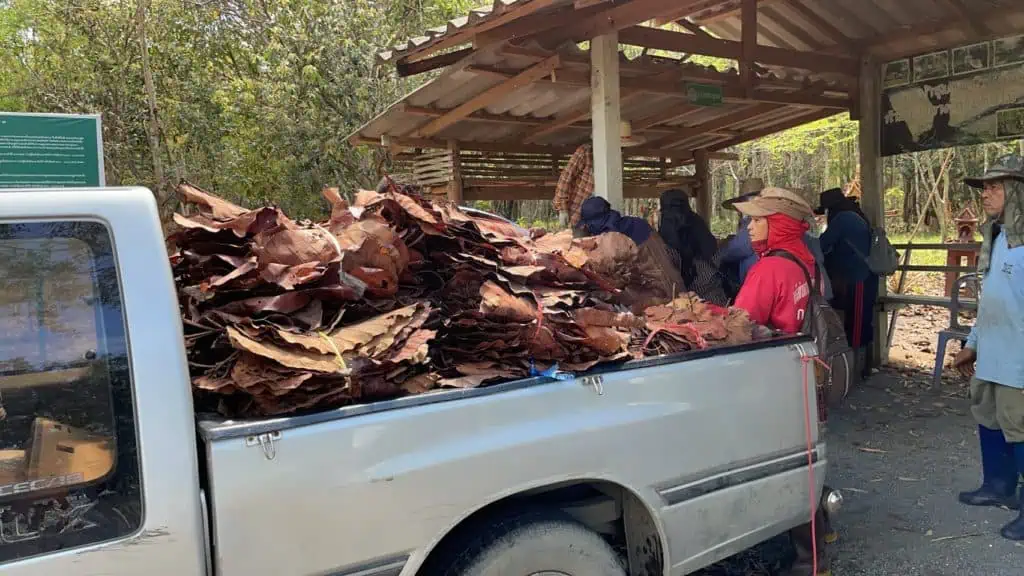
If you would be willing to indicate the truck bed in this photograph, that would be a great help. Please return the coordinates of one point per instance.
(370, 489)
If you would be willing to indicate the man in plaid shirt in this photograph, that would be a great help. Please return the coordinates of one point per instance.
(575, 185)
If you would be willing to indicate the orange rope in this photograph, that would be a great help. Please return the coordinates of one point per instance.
(807, 361)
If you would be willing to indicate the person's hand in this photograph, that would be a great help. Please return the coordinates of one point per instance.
(964, 362)
(563, 218)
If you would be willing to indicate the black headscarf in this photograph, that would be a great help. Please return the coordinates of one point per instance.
(833, 202)
(597, 217)
(685, 232)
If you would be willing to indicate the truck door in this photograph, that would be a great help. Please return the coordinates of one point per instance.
(73, 493)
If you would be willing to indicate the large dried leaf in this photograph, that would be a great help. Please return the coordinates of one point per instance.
(217, 207)
(290, 357)
(497, 303)
(368, 338)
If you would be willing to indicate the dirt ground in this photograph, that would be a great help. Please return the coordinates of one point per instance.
(900, 449)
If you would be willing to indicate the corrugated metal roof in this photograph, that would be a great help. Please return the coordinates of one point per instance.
(892, 28)
(659, 116)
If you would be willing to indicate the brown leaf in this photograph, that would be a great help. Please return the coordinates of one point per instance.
(218, 207)
(293, 247)
(369, 338)
(498, 303)
(416, 349)
(292, 358)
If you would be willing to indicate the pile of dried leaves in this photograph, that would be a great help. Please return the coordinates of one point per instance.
(395, 295)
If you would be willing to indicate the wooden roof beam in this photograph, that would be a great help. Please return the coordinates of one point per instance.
(491, 95)
(821, 24)
(719, 123)
(792, 122)
(957, 7)
(465, 35)
(877, 44)
(615, 17)
(731, 90)
(432, 62)
(748, 44)
(677, 42)
(511, 147)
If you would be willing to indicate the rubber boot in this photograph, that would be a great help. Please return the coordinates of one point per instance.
(802, 542)
(999, 467)
(1015, 530)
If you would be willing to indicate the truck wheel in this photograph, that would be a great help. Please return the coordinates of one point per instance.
(535, 544)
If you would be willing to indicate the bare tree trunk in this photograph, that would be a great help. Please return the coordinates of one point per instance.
(152, 124)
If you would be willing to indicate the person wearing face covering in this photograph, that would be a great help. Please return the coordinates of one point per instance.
(661, 280)
(775, 292)
(688, 235)
(992, 356)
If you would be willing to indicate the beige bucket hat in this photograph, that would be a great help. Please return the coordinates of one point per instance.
(776, 201)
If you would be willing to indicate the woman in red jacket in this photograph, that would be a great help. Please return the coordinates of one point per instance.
(775, 291)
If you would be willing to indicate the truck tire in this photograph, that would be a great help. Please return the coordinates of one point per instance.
(535, 544)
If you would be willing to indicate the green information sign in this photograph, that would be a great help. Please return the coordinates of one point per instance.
(50, 150)
(704, 94)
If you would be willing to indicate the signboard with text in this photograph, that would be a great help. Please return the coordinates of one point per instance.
(971, 94)
(50, 150)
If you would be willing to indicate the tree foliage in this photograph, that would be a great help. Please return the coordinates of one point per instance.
(253, 97)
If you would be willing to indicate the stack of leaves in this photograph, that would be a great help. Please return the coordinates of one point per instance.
(394, 295)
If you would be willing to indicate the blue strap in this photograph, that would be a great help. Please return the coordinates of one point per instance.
(553, 372)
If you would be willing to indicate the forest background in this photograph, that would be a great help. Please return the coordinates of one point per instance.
(253, 99)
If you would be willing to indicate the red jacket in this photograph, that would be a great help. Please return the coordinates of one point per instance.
(775, 292)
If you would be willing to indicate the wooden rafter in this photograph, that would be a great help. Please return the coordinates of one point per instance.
(535, 24)
(721, 122)
(731, 91)
(432, 62)
(748, 44)
(465, 35)
(957, 7)
(792, 122)
(877, 44)
(675, 41)
(792, 28)
(488, 97)
(615, 17)
(820, 23)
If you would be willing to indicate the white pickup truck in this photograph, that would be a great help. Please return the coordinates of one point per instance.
(661, 466)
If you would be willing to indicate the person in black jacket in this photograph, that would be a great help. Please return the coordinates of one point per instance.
(689, 237)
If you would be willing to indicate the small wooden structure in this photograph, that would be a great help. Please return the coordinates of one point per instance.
(467, 175)
(515, 80)
(966, 249)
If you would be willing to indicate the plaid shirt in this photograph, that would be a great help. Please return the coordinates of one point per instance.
(575, 184)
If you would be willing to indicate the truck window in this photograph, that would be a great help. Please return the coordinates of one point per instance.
(69, 468)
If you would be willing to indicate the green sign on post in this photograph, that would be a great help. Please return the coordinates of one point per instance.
(704, 94)
(50, 150)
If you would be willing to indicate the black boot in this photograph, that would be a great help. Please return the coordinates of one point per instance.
(1015, 530)
(999, 484)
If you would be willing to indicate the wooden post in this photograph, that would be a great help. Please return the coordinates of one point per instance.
(872, 197)
(748, 32)
(605, 114)
(703, 188)
(455, 186)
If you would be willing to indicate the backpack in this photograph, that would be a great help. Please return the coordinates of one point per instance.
(882, 259)
(824, 325)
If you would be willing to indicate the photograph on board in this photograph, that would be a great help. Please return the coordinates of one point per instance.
(1006, 51)
(1010, 123)
(931, 66)
(897, 73)
(967, 59)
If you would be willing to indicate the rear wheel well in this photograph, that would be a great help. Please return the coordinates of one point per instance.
(610, 510)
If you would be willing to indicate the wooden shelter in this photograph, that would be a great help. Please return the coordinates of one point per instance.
(517, 92)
